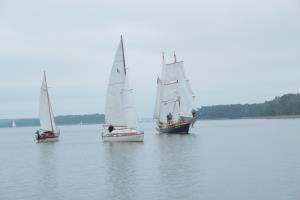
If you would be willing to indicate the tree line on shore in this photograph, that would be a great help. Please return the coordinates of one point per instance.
(59, 120)
(288, 104)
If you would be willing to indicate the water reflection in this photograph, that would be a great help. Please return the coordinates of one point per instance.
(49, 182)
(122, 161)
(179, 164)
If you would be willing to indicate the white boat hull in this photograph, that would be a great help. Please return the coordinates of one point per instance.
(123, 138)
(122, 134)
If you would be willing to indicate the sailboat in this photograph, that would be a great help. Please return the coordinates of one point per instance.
(13, 124)
(48, 131)
(121, 121)
(174, 107)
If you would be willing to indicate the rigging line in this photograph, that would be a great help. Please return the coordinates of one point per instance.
(49, 106)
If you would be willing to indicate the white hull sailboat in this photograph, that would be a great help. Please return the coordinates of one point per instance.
(13, 124)
(124, 134)
(174, 108)
(121, 121)
(48, 131)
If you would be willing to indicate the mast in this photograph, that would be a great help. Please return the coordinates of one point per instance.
(123, 54)
(175, 60)
(49, 108)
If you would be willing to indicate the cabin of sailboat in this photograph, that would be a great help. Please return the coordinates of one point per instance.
(121, 121)
(48, 131)
(174, 107)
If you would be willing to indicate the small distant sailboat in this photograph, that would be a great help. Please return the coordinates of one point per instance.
(121, 121)
(13, 124)
(48, 131)
(174, 108)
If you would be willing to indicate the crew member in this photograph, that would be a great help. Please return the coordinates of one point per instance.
(111, 128)
(37, 134)
(169, 117)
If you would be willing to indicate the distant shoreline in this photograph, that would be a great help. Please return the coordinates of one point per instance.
(258, 117)
(212, 119)
(283, 107)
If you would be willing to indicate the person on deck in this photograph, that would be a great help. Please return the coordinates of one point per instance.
(169, 118)
(111, 128)
(37, 134)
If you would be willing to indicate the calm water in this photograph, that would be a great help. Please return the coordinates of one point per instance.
(228, 159)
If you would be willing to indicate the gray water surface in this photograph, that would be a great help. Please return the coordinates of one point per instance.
(226, 159)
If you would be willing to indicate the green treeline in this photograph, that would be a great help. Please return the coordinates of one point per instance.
(288, 104)
(60, 120)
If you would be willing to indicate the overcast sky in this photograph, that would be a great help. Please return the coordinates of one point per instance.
(235, 51)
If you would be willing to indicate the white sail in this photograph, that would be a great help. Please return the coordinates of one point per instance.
(119, 109)
(176, 95)
(158, 99)
(45, 110)
(129, 110)
(13, 124)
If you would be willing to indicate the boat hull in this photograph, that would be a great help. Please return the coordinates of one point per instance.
(45, 140)
(123, 138)
(176, 129)
(46, 136)
(125, 135)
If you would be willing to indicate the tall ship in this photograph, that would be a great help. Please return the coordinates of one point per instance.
(174, 109)
(48, 131)
(121, 121)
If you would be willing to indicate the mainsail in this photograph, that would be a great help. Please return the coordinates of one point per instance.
(119, 109)
(174, 93)
(45, 110)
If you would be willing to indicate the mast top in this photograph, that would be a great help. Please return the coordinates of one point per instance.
(175, 60)
(163, 57)
(123, 54)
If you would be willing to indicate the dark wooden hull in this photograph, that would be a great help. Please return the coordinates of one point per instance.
(175, 129)
(47, 136)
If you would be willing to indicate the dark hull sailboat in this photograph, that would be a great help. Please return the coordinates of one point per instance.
(174, 109)
(177, 128)
(48, 131)
(46, 136)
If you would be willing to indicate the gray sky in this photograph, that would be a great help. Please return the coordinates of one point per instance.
(235, 51)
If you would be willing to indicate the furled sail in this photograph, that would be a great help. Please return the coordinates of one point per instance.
(174, 93)
(119, 109)
(45, 110)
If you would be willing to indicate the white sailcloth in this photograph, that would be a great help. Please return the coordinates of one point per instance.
(45, 110)
(129, 110)
(158, 99)
(119, 109)
(175, 93)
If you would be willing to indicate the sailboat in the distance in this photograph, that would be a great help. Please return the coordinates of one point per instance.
(174, 108)
(13, 124)
(121, 121)
(48, 131)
